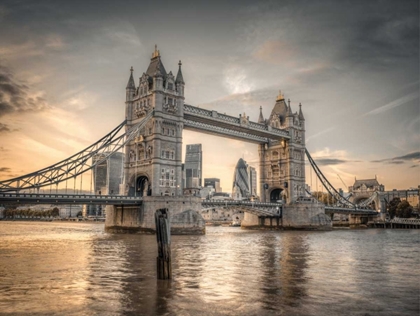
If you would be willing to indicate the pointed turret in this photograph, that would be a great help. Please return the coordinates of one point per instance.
(156, 65)
(179, 78)
(131, 85)
(289, 110)
(301, 113)
(261, 117)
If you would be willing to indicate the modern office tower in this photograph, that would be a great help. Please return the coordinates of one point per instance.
(193, 166)
(252, 179)
(107, 175)
(244, 181)
(214, 183)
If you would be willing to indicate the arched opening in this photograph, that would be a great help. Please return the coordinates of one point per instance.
(141, 187)
(275, 195)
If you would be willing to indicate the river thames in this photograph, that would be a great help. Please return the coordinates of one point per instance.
(64, 268)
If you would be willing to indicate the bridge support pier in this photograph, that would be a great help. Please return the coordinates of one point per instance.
(182, 214)
(306, 215)
(360, 220)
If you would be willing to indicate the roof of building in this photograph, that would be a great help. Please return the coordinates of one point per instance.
(301, 117)
(131, 84)
(156, 65)
(370, 183)
(261, 117)
(179, 77)
(280, 108)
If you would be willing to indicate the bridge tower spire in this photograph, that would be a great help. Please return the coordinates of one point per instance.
(153, 159)
(261, 117)
(282, 164)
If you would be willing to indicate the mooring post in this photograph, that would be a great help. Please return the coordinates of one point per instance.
(163, 236)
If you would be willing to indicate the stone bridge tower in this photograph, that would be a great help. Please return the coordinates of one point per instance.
(282, 163)
(153, 160)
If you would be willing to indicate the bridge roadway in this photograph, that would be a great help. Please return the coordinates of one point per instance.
(34, 198)
(257, 208)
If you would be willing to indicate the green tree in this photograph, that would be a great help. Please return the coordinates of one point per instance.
(404, 209)
(392, 206)
(55, 212)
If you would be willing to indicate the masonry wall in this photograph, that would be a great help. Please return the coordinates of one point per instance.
(184, 217)
(306, 215)
(302, 215)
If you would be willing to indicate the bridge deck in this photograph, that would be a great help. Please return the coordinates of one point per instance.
(215, 123)
(25, 198)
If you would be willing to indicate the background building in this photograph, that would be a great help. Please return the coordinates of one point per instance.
(252, 180)
(107, 175)
(244, 181)
(214, 183)
(193, 166)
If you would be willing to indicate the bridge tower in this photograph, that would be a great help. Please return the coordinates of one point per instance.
(282, 163)
(153, 159)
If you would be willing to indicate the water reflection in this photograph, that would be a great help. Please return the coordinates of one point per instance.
(77, 269)
(283, 280)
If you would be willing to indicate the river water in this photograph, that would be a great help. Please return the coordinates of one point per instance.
(63, 268)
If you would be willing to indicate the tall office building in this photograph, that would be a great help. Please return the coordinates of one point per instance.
(214, 183)
(108, 173)
(193, 166)
(244, 181)
(252, 179)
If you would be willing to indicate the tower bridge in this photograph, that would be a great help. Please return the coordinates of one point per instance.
(151, 139)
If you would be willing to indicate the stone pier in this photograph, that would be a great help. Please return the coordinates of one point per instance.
(362, 220)
(183, 213)
(307, 215)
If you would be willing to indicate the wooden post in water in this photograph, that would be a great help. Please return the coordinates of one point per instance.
(163, 236)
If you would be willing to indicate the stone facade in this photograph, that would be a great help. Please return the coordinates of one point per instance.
(282, 163)
(305, 214)
(153, 165)
(183, 216)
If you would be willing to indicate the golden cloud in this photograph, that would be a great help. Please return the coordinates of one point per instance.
(275, 52)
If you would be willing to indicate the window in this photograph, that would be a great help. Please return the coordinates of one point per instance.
(170, 101)
(172, 156)
(150, 131)
(167, 154)
(172, 132)
(163, 155)
(170, 86)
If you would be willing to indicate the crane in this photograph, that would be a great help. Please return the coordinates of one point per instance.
(342, 181)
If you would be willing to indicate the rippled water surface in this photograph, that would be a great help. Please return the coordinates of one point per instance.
(77, 269)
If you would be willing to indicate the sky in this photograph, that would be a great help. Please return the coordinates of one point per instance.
(354, 66)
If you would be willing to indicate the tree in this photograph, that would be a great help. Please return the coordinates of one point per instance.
(404, 209)
(55, 212)
(392, 206)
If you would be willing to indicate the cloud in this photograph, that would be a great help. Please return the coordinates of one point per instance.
(4, 128)
(414, 156)
(403, 100)
(275, 52)
(411, 156)
(329, 161)
(54, 41)
(5, 170)
(16, 97)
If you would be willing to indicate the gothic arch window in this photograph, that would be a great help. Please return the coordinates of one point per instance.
(140, 153)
